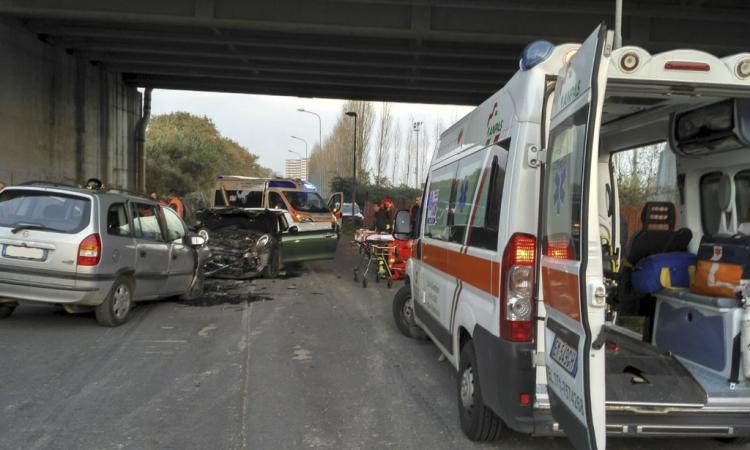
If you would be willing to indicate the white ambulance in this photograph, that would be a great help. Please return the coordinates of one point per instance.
(538, 206)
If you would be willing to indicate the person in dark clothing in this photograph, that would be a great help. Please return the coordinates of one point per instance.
(414, 215)
(382, 221)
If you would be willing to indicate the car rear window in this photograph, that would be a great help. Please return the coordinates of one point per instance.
(46, 211)
(240, 198)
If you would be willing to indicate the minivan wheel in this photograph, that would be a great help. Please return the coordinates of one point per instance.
(6, 309)
(478, 422)
(116, 307)
(196, 288)
(403, 314)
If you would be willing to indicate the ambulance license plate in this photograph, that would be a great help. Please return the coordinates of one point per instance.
(14, 251)
(565, 355)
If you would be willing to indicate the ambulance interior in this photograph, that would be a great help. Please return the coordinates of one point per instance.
(668, 346)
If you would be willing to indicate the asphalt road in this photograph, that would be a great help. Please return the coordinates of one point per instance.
(309, 361)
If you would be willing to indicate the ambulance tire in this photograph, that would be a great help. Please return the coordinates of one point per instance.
(6, 309)
(478, 422)
(403, 314)
(735, 442)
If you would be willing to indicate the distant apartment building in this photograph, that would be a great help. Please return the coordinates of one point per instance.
(295, 168)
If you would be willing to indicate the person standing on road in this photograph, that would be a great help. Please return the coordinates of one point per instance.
(380, 216)
(414, 215)
(388, 207)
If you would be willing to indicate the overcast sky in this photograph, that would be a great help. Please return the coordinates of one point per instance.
(263, 123)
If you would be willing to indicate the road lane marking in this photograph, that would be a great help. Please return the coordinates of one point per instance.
(205, 330)
(246, 320)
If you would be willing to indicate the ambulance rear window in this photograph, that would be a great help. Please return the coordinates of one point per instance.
(710, 213)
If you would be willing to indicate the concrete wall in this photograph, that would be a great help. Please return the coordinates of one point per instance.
(61, 118)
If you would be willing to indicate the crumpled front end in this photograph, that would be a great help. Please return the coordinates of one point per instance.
(237, 253)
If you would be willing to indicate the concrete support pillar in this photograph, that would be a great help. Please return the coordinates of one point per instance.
(79, 101)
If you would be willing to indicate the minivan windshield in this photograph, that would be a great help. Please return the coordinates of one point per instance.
(44, 211)
(306, 201)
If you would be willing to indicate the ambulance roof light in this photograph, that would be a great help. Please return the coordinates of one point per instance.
(535, 53)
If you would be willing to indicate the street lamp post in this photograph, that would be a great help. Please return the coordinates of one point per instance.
(320, 140)
(300, 139)
(415, 127)
(354, 163)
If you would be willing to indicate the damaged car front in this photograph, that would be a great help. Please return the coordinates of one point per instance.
(243, 243)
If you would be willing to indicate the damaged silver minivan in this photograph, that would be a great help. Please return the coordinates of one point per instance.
(99, 250)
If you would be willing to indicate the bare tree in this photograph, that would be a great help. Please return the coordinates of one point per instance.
(385, 130)
(336, 156)
(409, 153)
(395, 152)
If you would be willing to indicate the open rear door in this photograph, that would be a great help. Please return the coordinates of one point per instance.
(571, 262)
(335, 202)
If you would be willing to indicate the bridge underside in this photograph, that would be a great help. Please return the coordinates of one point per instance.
(430, 51)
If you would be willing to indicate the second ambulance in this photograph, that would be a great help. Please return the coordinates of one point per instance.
(571, 295)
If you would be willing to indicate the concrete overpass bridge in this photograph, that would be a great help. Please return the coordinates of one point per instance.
(72, 67)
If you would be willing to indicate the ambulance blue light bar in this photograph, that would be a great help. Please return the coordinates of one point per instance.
(535, 53)
(282, 184)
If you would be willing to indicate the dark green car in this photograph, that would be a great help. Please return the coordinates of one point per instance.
(251, 242)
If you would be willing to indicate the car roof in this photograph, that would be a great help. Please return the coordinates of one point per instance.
(110, 194)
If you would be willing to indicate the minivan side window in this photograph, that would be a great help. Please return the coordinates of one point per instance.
(467, 179)
(440, 203)
(117, 220)
(175, 228)
(486, 224)
(710, 213)
(146, 221)
(742, 188)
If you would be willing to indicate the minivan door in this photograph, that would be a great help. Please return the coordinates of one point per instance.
(152, 251)
(571, 262)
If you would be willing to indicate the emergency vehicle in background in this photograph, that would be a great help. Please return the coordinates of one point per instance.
(312, 224)
(521, 267)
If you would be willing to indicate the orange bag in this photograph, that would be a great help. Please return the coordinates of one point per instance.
(723, 263)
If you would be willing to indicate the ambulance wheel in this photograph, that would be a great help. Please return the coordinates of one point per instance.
(735, 442)
(403, 314)
(6, 309)
(478, 422)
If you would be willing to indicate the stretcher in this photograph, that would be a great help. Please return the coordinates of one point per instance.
(381, 252)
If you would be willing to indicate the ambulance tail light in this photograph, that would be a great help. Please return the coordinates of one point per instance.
(559, 246)
(743, 68)
(688, 66)
(516, 305)
(629, 62)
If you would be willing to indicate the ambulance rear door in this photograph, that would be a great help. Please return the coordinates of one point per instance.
(571, 262)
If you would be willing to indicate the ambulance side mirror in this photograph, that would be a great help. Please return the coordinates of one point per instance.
(402, 226)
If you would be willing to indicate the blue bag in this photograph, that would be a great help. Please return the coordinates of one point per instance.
(663, 270)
